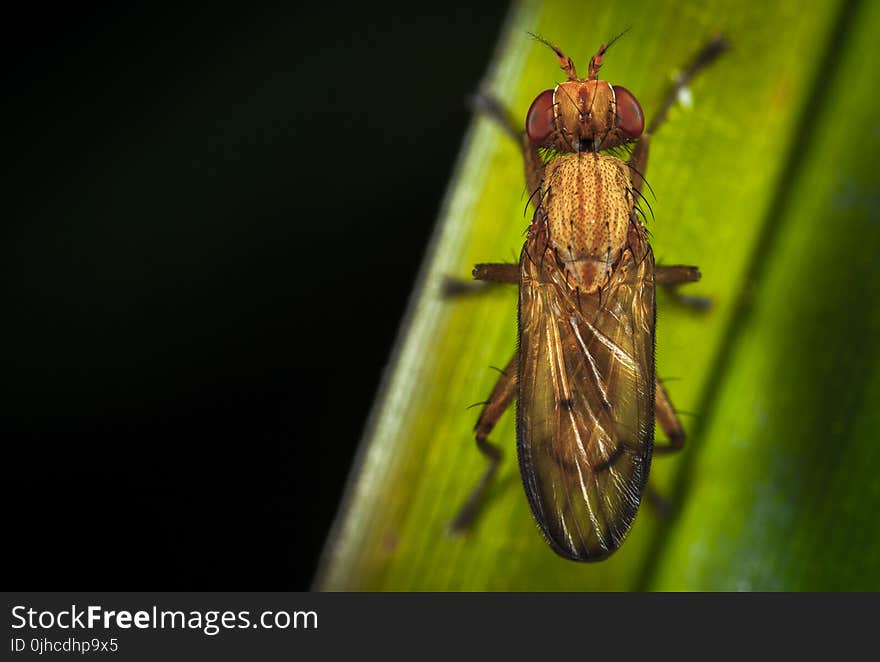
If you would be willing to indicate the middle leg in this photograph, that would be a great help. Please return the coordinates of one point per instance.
(670, 277)
(487, 276)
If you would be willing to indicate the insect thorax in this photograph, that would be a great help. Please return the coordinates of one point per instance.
(585, 211)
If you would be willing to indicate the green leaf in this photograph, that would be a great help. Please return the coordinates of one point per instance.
(783, 492)
(768, 183)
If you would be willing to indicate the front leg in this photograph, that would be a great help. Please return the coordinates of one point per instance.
(534, 165)
(639, 161)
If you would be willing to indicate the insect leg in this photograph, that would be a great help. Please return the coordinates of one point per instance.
(703, 59)
(534, 166)
(453, 287)
(675, 275)
(487, 105)
(639, 160)
(672, 276)
(492, 108)
(498, 272)
(667, 419)
(486, 275)
(659, 503)
(502, 395)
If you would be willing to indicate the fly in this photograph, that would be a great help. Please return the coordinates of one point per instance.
(583, 375)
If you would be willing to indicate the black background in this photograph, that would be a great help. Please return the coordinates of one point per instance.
(213, 223)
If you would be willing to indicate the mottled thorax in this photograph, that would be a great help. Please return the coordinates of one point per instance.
(586, 203)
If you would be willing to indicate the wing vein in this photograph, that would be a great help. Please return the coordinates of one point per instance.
(616, 352)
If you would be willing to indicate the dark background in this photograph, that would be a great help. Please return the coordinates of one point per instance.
(214, 222)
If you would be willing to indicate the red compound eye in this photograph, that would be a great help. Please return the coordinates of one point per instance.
(630, 118)
(540, 122)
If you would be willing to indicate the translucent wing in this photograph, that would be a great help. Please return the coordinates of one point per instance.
(585, 405)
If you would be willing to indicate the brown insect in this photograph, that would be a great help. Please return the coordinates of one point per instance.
(583, 375)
